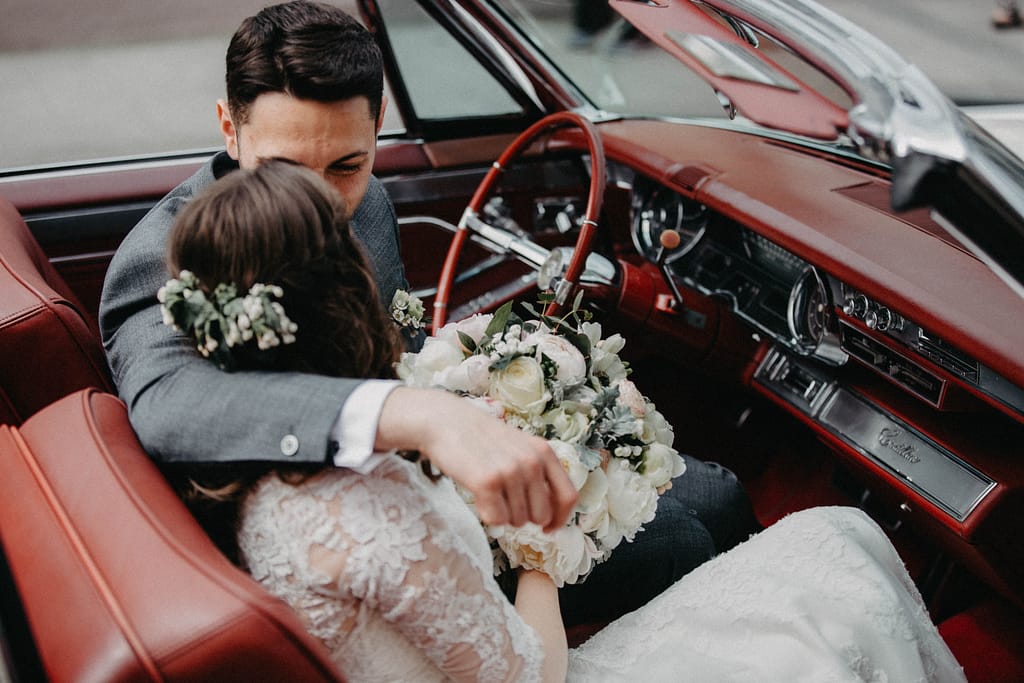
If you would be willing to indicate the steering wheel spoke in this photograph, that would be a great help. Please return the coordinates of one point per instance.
(521, 247)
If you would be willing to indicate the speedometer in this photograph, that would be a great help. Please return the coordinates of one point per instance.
(808, 310)
(657, 209)
(809, 315)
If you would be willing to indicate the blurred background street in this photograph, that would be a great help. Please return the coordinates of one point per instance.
(93, 78)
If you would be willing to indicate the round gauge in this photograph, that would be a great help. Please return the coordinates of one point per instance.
(657, 209)
(808, 311)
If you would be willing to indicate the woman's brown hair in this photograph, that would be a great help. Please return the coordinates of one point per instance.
(280, 224)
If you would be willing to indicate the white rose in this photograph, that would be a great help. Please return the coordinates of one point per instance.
(564, 555)
(473, 327)
(572, 367)
(568, 424)
(662, 464)
(520, 386)
(472, 376)
(632, 502)
(569, 458)
(656, 427)
(436, 357)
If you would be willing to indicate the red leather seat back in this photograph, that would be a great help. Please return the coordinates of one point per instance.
(48, 344)
(117, 580)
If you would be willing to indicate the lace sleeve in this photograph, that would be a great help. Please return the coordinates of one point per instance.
(384, 546)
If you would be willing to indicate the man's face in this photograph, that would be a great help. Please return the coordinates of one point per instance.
(337, 140)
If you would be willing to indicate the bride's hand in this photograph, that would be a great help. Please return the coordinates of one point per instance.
(514, 477)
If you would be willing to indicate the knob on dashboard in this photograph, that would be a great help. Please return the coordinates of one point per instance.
(871, 319)
(856, 305)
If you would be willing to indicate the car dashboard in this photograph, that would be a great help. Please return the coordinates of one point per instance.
(849, 341)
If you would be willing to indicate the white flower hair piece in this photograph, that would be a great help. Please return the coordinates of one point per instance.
(225, 321)
(407, 310)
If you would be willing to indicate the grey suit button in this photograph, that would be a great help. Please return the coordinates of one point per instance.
(290, 445)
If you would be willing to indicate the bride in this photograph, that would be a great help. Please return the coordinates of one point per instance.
(393, 572)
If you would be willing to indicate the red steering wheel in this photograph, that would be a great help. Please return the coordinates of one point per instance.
(588, 230)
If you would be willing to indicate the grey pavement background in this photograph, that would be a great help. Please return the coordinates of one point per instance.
(102, 78)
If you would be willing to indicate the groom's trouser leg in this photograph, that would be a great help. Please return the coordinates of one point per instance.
(705, 512)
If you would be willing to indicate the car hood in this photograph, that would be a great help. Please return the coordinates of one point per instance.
(894, 114)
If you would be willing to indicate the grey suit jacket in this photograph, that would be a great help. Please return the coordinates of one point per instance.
(183, 408)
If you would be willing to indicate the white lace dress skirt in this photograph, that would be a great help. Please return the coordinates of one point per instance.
(820, 596)
(393, 574)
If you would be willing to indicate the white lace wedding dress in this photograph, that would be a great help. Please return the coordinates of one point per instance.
(393, 574)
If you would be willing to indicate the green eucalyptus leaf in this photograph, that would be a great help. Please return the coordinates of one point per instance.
(499, 320)
(467, 342)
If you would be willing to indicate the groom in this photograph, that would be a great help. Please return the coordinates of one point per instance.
(305, 85)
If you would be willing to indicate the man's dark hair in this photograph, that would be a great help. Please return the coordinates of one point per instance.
(308, 50)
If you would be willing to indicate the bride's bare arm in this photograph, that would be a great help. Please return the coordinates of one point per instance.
(537, 604)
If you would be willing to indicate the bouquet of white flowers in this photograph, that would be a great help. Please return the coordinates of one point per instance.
(559, 379)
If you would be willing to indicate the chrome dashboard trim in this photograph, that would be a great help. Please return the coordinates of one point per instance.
(902, 450)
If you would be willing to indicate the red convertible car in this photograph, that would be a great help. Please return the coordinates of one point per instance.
(817, 263)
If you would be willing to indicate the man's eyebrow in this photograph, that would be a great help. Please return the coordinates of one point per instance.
(283, 160)
(339, 160)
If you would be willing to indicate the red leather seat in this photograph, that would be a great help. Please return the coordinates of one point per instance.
(48, 343)
(117, 580)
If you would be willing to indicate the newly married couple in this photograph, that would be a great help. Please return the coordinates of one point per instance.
(381, 559)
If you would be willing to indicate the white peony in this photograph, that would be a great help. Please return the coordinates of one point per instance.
(592, 504)
(426, 368)
(569, 458)
(662, 464)
(472, 376)
(520, 386)
(565, 555)
(632, 502)
(572, 366)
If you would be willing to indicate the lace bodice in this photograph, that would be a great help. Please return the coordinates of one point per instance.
(393, 573)
(389, 570)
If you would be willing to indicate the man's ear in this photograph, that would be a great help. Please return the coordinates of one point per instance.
(380, 116)
(227, 129)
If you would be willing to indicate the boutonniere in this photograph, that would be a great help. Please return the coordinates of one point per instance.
(407, 310)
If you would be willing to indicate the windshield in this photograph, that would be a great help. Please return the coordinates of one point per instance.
(609, 61)
(621, 72)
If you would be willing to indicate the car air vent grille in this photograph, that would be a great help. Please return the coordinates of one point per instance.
(889, 363)
(955, 361)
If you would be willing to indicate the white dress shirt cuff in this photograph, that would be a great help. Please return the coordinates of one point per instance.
(356, 428)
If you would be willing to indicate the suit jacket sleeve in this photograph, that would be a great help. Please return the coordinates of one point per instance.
(183, 408)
